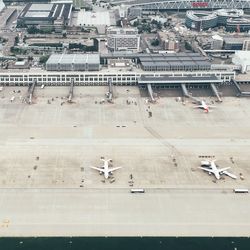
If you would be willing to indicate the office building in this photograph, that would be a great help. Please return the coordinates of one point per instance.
(123, 39)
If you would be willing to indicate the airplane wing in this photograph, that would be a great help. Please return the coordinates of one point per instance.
(113, 169)
(223, 169)
(230, 175)
(99, 169)
(206, 169)
(199, 106)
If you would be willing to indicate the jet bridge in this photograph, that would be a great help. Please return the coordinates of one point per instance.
(110, 92)
(71, 91)
(150, 92)
(31, 91)
(215, 91)
(186, 93)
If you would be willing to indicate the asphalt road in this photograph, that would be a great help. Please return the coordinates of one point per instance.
(44, 212)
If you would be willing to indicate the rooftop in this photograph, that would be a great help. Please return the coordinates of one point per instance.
(73, 58)
(41, 7)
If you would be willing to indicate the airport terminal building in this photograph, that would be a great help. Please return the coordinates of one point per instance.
(93, 70)
(99, 78)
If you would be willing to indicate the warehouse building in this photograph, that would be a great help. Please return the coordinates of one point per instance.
(73, 62)
(174, 62)
(52, 15)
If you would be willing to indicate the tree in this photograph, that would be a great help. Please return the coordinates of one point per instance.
(155, 42)
(33, 30)
(159, 25)
(16, 40)
(43, 59)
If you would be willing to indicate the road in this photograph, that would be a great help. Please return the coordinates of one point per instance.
(44, 212)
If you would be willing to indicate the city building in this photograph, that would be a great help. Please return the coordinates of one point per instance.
(217, 42)
(199, 20)
(242, 58)
(246, 45)
(46, 15)
(134, 12)
(168, 41)
(73, 62)
(233, 43)
(123, 39)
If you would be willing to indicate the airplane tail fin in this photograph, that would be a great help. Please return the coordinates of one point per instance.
(103, 159)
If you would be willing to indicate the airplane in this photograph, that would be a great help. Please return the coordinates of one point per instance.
(104, 169)
(203, 105)
(211, 168)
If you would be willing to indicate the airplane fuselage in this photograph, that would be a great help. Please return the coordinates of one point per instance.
(204, 106)
(106, 168)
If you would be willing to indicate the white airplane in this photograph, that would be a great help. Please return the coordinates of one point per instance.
(104, 169)
(203, 105)
(211, 168)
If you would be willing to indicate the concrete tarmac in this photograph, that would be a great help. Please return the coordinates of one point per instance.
(47, 187)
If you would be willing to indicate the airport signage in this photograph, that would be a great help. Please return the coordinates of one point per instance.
(200, 4)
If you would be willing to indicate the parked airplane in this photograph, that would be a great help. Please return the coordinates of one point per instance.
(211, 168)
(104, 169)
(203, 105)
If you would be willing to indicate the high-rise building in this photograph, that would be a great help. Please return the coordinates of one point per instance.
(168, 41)
(123, 39)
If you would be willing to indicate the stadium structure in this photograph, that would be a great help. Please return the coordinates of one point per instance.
(203, 20)
(200, 20)
(155, 5)
(225, 14)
